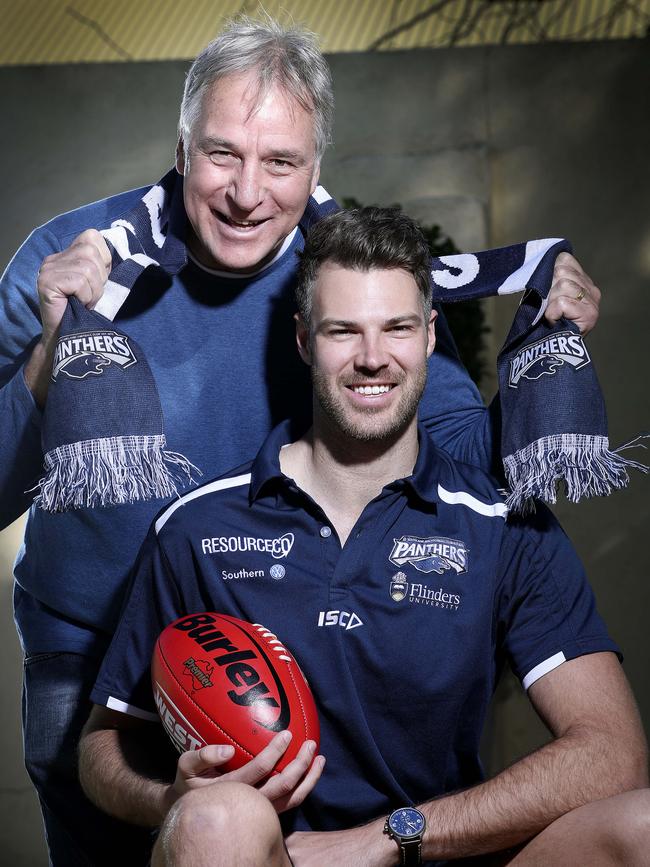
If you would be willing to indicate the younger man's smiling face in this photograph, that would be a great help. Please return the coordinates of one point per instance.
(368, 345)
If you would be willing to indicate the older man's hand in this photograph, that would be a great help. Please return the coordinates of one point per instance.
(573, 294)
(81, 270)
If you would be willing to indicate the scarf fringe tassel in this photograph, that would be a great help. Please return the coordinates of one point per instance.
(112, 471)
(582, 464)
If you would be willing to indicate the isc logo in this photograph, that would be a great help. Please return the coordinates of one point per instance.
(339, 618)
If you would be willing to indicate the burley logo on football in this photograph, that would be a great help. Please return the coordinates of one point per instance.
(87, 354)
(545, 356)
(437, 554)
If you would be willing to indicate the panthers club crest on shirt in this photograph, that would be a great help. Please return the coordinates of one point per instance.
(437, 554)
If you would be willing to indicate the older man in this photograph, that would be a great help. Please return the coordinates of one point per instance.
(254, 123)
(403, 695)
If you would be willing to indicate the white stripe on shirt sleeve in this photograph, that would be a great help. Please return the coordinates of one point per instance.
(462, 498)
(542, 669)
(209, 488)
(123, 707)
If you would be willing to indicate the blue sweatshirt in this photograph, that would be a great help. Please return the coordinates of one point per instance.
(222, 351)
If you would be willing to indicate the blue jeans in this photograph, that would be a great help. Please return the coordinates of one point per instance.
(55, 707)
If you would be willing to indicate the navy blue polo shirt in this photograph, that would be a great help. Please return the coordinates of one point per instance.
(401, 633)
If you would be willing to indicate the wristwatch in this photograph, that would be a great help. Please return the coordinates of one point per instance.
(406, 827)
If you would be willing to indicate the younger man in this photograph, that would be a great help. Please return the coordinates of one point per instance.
(402, 589)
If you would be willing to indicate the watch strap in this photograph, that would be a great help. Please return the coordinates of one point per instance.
(410, 852)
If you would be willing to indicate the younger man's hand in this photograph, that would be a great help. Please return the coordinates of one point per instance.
(285, 790)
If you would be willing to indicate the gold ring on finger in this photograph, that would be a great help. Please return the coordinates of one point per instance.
(581, 294)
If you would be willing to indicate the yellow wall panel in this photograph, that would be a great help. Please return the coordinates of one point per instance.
(82, 31)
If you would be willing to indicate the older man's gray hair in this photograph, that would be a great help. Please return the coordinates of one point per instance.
(288, 57)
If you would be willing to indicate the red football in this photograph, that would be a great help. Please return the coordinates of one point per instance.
(220, 680)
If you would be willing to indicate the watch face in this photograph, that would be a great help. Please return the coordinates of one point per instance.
(407, 822)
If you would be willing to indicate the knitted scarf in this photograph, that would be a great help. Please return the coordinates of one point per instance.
(103, 434)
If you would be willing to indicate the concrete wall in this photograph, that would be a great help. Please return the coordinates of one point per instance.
(496, 145)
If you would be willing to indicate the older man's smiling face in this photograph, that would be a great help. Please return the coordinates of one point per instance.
(249, 171)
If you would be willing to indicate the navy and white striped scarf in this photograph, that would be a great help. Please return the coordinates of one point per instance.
(104, 442)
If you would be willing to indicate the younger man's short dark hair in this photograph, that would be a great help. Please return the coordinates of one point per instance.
(361, 239)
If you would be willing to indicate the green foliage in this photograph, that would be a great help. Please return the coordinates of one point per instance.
(467, 318)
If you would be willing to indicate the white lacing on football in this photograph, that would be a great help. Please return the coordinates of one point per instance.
(271, 638)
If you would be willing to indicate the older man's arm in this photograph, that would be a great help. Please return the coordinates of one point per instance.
(599, 750)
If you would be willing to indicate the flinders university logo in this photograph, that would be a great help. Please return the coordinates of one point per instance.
(87, 354)
(420, 594)
(398, 587)
(545, 356)
(430, 555)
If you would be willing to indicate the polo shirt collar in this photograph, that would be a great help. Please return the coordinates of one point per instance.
(426, 472)
(266, 466)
